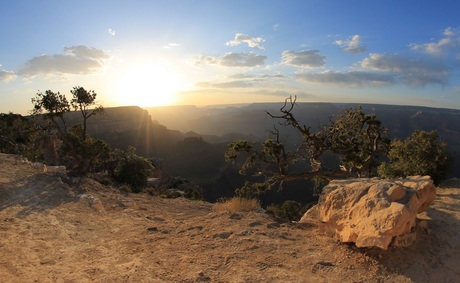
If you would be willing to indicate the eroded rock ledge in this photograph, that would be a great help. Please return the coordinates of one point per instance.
(372, 212)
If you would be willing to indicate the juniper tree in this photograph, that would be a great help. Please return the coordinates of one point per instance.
(356, 138)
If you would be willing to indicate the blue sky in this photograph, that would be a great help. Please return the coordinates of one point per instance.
(150, 53)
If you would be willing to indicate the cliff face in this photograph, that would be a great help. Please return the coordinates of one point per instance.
(131, 125)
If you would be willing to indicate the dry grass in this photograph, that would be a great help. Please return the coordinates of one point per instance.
(237, 204)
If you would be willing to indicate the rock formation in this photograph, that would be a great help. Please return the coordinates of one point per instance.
(372, 212)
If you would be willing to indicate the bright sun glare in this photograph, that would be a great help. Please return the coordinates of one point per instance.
(148, 84)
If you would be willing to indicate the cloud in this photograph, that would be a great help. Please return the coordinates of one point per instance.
(276, 27)
(283, 93)
(75, 60)
(274, 76)
(353, 78)
(242, 76)
(413, 72)
(353, 45)
(229, 84)
(253, 76)
(235, 60)
(171, 45)
(6, 76)
(450, 43)
(253, 42)
(111, 32)
(305, 59)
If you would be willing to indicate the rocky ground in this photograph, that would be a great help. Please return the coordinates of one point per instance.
(80, 231)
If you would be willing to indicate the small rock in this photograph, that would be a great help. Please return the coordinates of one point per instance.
(223, 235)
(235, 216)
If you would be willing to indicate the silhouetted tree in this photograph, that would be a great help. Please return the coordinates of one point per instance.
(358, 139)
(81, 151)
(53, 106)
(82, 101)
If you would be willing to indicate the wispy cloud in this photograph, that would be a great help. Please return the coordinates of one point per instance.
(413, 72)
(352, 45)
(171, 45)
(450, 43)
(235, 60)
(276, 27)
(243, 80)
(253, 42)
(111, 32)
(253, 76)
(6, 76)
(352, 78)
(75, 60)
(229, 84)
(305, 59)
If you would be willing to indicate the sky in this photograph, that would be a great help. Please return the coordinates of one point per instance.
(202, 52)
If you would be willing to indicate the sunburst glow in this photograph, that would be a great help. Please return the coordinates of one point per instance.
(148, 84)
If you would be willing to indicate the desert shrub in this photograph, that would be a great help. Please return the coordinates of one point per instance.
(420, 154)
(132, 169)
(20, 135)
(172, 193)
(86, 155)
(237, 204)
(289, 210)
(193, 192)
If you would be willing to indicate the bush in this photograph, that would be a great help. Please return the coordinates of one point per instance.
(84, 156)
(237, 204)
(20, 135)
(289, 210)
(132, 170)
(421, 154)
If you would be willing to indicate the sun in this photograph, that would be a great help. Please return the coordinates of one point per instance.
(147, 84)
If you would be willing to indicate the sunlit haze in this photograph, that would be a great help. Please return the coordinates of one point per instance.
(156, 53)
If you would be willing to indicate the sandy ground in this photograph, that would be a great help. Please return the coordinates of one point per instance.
(54, 232)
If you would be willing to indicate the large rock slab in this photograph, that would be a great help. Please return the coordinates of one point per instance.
(372, 212)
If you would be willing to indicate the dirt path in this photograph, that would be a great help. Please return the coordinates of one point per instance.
(53, 232)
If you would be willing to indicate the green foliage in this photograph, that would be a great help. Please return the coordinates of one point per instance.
(421, 154)
(181, 187)
(132, 169)
(81, 153)
(19, 135)
(82, 101)
(84, 155)
(357, 139)
(53, 105)
(289, 210)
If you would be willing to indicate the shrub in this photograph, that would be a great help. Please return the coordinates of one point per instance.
(421, 154)
(20, 135)
(237, 204)
(132, 170)
(289, 210)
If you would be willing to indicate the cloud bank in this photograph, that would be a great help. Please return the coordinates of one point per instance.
(450, 43)
(411, 71)
(304, 59)
(235, 60)
(6, 76)
(75, 60)
(353, 78)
